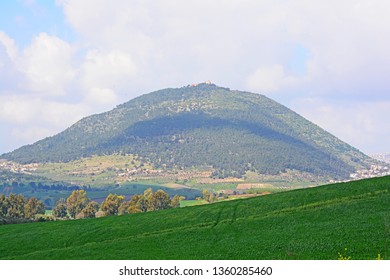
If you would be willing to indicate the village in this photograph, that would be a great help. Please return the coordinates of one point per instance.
(375, 170)
(18, 168)
(202, 176)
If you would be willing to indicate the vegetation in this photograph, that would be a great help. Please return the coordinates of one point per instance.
(61, 209)
(50, 194)
(76, 202)
(78, 205)
(112, 203)
(314, 223)
(232, 132)
(19, 209)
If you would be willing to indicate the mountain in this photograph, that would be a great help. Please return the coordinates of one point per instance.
(203, 125)
(384, 157)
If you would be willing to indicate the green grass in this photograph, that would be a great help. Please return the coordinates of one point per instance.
(194, 202)
(315, 223)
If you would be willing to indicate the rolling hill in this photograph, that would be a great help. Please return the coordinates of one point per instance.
(230, 131)
(314, 223)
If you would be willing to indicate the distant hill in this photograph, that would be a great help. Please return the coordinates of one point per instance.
(315, 223)
(203, 126)
(382, 157)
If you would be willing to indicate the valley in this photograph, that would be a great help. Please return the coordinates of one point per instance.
(128, 175)
(185, 140)
(345, 220)
(258, 177)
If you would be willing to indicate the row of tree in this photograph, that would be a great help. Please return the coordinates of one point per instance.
(17, 208)
(78, 205)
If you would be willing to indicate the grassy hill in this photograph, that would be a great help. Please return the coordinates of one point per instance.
(315, 223)
(230, 131)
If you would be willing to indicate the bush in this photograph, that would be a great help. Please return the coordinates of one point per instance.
(100, 214)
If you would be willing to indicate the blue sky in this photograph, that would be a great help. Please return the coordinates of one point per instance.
(66, 59)
(26, 19)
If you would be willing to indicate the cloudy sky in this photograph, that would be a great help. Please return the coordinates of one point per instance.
(66, 59)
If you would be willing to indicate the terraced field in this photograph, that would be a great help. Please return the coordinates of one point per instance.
(315, 223)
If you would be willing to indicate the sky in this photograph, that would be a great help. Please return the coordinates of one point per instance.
(66, 59)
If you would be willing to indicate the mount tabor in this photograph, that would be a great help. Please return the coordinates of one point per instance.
(200, 126)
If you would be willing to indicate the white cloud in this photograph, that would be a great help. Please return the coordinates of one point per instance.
(16, 109)
(31, 133)
(270, 79)
(47, 65)
(361, 124)
(348, 42)
(107, 70)
(19, 110)
(102, 96)
(26, 119)
(9, 72)
(9, 45)
(132, 47)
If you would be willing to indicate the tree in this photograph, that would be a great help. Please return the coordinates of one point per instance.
(206, 195)
(159, 200)
(3, 205)
(212, 197)
(209, 196)
(76, 202)
(16, 206)
(148, 193)
(135, 206)
(111, 205)
(123, 208)
(90, 210)
(33, 207)
(175, 202)
(61, 209)
(100, 214)
(143, 204)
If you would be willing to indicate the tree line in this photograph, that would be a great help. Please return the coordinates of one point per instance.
(35, 186)
(78, 205)
(17, 208)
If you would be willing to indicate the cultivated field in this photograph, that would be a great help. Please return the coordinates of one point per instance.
(314, 223)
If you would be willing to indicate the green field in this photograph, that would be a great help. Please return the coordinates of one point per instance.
(315, 223)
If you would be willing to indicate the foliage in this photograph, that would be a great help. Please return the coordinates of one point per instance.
(17, 208)
(76, 202)
(33, 207)
(175, 202)
(100, 214)
(90, 210)
(159, 200)
(137, 204)
(60, 210)
(49, 196)
(304, 224)
(16, 205)
(209, 196)
(111, 205)
(123, 208)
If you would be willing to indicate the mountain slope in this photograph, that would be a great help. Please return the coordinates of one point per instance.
(314, 223)
(205, 125)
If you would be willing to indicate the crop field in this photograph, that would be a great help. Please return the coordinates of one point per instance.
(351, 220)
(97, 170)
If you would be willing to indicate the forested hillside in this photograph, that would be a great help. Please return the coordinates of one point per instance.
(205, 125)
